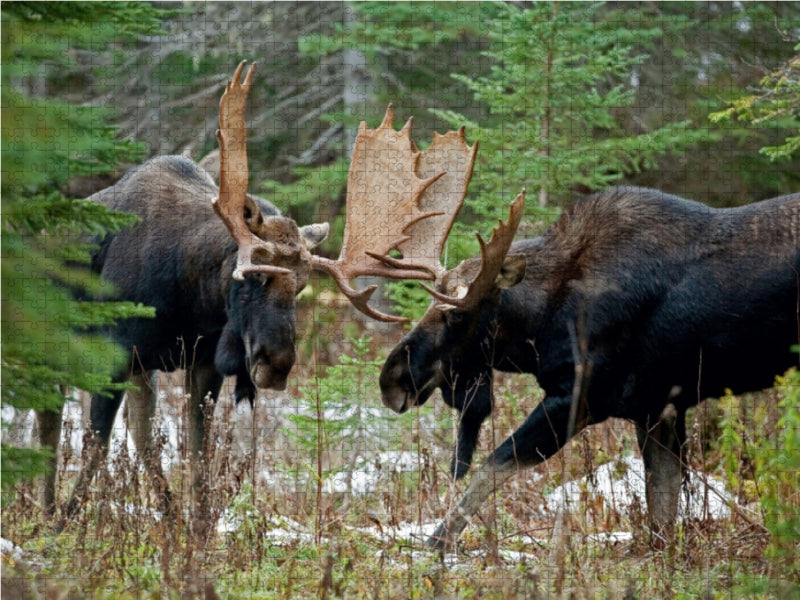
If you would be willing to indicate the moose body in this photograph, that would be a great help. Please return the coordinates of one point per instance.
(635, 304)
(222, 270)
(179, 259)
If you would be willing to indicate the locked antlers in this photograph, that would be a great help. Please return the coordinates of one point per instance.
(400, 199)
(401, 205)
(493, 256)
(233, 178)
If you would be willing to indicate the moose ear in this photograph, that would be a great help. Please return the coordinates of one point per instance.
(312, 235)
(252, 214)
(512, 271)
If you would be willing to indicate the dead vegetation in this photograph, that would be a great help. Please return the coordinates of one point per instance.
(336, 514)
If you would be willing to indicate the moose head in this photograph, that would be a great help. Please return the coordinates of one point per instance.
(401, 201)
(273, 261)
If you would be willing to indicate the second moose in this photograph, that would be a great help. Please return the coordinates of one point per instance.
(635, 304)
(223, 286)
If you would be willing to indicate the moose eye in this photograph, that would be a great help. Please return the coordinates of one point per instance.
(453, 317)
(261, 278)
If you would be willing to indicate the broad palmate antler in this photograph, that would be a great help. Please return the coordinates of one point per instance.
(400, 199)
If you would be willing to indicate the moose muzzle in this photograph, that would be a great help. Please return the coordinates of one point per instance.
(272, 373)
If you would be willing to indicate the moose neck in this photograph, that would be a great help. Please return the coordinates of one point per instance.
(211, 273)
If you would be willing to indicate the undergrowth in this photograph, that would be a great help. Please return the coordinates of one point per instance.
(321, 492)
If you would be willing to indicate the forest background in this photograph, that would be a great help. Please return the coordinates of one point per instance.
(696, 99)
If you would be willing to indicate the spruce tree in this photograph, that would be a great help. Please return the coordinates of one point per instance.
(545, 88)
(561, 77)
(51, 324)
(774, 103)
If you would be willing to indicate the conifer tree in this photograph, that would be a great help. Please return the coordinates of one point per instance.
(51, 324)
(774, 103)
(546, 98)
(561, 75)
(549, 92)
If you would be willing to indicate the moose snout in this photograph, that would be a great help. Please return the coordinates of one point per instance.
(396, 399)
(270, 369)
(400, 399)
(404, 387)
(392, 393)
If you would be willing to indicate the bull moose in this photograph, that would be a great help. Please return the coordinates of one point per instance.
(223, 287)
(224, 303)
(635, 304)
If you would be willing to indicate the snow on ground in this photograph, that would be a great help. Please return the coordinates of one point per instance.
(282, 530)
(620, 484)
(23, 425)
(616, 485)
(10, 551)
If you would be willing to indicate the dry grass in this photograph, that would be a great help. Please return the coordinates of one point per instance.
(287, 535)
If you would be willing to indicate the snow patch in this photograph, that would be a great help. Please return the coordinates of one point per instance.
(10, 551)
(620, 485)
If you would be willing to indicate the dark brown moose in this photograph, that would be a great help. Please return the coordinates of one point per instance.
(635, 304)
(224, 288)
(222, 270)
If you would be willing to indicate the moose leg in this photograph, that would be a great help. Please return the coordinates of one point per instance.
(475, 408)
(141, 408)
(203, 382)
(468, 431)
(101, 420)
(661, 451)
(542, 434)
(49, 423)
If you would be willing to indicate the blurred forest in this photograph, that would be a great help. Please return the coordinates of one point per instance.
(700, 99)
(323, 67)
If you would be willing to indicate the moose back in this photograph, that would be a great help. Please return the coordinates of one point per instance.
(635, 304)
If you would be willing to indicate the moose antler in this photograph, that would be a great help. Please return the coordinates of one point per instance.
(492, 256)
(450, 156)
(386, 197)
(233, 178)
(399, 198)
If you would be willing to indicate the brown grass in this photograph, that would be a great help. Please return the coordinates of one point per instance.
(349, 546)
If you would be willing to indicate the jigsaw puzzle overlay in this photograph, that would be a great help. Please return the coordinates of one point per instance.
(418, 300)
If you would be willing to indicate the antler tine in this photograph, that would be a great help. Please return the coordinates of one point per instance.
(383, 195)
(358, 298)
(492, 256)
(233, 179)
(450, 154)
(388, 119)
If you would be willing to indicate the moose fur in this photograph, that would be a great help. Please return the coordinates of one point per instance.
(635, 304)
(179, 259)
